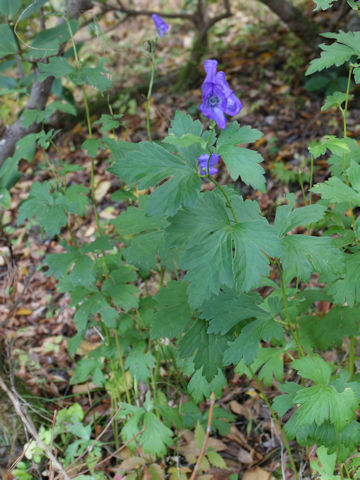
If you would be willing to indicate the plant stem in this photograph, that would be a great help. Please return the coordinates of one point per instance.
(122, 368)
(351, 358)
(311, 177)
(206, 438)
(148, 97)
(225, 195)
(276, 420)
(344, 112)
(287, 313)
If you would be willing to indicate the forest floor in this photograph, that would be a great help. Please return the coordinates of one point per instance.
(266, 64)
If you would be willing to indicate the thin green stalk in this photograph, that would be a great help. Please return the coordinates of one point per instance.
(122, 368)
(344, 112)
(148, 97)
(287, 313)
(311, 177)
(225, 195)
(162, 276)
(351, 358)
(276, 420)
(302, 187)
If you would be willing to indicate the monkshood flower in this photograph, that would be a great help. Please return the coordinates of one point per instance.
(217, 96)
(161, 26)
(204, 162)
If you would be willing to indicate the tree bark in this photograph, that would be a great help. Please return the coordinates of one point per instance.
(301, 26)
(39, 96)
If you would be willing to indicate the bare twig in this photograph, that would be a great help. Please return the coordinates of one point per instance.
(30, 427)
(206, 438)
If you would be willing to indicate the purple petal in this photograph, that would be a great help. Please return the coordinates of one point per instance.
(161, 26)
(223, 84)
(218, 115)
(210, 69)
(233, 105)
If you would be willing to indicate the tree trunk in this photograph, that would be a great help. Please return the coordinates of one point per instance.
(39, 96)
(295, 20)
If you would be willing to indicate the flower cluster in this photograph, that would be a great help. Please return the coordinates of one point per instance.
(161, 26)
(218, 98)
(206, 163)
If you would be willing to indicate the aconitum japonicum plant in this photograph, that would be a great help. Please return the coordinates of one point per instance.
(218, 98)
(161, 26)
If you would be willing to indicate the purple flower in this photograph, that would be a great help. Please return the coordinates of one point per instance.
(204, 162)
(160, 25)
(218, 98)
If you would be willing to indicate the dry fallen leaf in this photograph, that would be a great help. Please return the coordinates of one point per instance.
(256, 474)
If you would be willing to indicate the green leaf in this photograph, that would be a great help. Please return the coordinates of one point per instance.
(5, 199)
(87, 368)
(57, 67)
(43, 205)
(109, 122)
(8, 45)
(220, 253)
(356, 72)
(93, 76)
(134, 220)
(58, 106)
(48, 41)
(325, 332)
(272, 361)
(207, 349)
(76, 200)
(303, 254)
(228, 309)
(288, 218)
(82, 272)
(9, 7)
(336, 191)
(25, 148)
(143, 250)
(199, 387)
(326, 464)
(173, 312)
(241, 161)
(321, 403)
(353, 174)
(150, 164)
(140, 363)
(199, 435)
(156, 437)
(346, 45)
(334, 100)
(247, 344)
(183, 124)
(236, 135)
(92, 145)
(283, 403)
(313, 368)
(95, 304)
(185, 140)
(323, 4)
(216, 460)
(347, 287)
(123, 294)
(244, 163)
